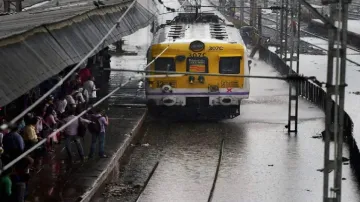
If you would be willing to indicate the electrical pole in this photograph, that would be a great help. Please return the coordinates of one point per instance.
(336, 125)
(293, 94)
(340, 90)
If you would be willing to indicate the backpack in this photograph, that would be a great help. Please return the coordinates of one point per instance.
(81, 129)
(95, 127)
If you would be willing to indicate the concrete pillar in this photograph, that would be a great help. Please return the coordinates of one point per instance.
(18, 6)
(6, 6)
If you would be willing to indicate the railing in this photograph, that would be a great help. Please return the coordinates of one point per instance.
(315, 94)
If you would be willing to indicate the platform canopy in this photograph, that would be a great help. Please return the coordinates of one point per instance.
(38, 44)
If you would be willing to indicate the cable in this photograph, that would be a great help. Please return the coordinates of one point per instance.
(73, 70)
(7, 166)
(178, 74)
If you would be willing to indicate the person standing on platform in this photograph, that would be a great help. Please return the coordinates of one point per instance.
(97, 130)
(84, 74)
(90, 86)
(71, 134)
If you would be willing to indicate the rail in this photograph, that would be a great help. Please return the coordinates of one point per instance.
(147, 181)
(217, 170)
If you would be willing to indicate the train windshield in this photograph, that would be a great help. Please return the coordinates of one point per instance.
(165, 64)
(229, 65)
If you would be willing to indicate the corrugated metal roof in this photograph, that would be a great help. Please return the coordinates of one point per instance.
(52, 40)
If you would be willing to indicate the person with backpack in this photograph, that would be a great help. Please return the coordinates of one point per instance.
(97, 130)
(71, 134)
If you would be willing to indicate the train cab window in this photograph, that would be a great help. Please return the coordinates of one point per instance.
(197, 64)
(165, 64)
(229, 65)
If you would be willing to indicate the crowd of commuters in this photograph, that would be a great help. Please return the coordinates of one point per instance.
(74, 96)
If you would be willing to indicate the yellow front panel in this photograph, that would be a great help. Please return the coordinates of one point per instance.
(212, 52)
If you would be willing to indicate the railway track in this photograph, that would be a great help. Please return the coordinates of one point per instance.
(213, 184)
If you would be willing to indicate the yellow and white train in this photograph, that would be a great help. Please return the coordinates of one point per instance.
(197, 43)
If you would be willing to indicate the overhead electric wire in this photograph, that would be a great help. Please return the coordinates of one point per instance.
(14, 120)
(169, 73)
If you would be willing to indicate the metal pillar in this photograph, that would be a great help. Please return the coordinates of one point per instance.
(286, 29)
(277, 26)
(335, 125)
(281, 28)
(8, 3)
(342, 83)
(259, 25)
(293, 94)
(265, 3)
(253, 9)
(328, 108)
(242, 5)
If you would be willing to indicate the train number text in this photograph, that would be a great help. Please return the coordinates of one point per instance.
(229, 84)
(216, 48)
(195, 55)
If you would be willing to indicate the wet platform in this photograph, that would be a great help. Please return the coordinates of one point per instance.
(55, 179)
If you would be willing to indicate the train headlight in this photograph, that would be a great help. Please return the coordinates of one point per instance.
(201, 79)
(166, 88)
(191, 79)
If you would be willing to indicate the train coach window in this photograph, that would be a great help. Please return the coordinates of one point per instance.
(229, 65)
(197, 64)
(165, 64)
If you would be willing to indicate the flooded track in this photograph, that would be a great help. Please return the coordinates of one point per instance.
(260, 162)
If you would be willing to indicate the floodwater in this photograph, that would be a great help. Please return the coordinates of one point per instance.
(260, 161)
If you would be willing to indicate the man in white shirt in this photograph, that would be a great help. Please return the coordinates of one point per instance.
(71, 134)
(89, 85)
(85, 94)
(78, 97)
(61, 105)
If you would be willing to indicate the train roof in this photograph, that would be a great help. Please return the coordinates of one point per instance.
(206, 27)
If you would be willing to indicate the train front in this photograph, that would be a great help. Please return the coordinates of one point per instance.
(204, 79)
